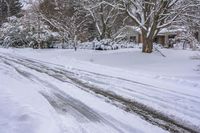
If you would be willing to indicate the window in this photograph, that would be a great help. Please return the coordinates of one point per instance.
(132, 38)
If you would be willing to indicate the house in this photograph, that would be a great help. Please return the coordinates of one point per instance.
(166, 36)
(128, 33)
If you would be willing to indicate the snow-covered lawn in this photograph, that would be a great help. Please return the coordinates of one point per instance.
(177, 62)
(169, 85)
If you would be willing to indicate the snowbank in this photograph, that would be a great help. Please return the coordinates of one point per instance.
(22, 108)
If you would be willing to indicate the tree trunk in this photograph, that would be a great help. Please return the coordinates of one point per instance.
(102, 36)
(147, 46)
(104, 28)
(75, 42)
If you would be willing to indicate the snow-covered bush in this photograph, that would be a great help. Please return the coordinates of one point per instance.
(106, 44)
(109, 44)
(20, 32)
(46, 40)
(12, 34)
(126, 44)
(186, 40)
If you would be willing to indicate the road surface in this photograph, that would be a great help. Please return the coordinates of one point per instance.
(100, 87)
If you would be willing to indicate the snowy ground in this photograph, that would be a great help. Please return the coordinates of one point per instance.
(36, 94)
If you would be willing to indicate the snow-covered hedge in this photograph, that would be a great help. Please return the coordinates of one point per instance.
(106, 44)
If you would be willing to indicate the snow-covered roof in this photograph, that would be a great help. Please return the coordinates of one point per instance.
(134, 31)
(127, 31)
(172, 30)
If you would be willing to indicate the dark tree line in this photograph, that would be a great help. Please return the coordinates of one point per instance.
(9, 8)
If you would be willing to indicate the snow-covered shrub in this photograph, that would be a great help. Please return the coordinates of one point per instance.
(107, 44)
(45, 41)
(87, 45)
(13, 34)
(127, 44)
(71, 44)
(19, 32)
(186, 40)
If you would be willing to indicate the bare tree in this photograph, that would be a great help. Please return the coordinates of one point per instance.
(153, 15)
(65, 17)
(191, 19)
(104, 15)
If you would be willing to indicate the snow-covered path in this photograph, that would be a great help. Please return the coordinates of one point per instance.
(121, 92)
(53, 104)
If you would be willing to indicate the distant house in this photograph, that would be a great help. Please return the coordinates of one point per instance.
(166, 36)
(169, 36)
(129, 33)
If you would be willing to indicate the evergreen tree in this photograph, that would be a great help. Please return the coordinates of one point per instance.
(3, 11)
(9, 8)
(15, 8)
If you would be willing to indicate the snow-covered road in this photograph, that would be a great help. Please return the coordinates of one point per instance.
(36, 99)
(108, 103)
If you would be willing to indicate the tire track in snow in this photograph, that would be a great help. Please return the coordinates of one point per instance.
(147, 113)
(65, 104)
(152, 87)
(139, 93)
(144, 94)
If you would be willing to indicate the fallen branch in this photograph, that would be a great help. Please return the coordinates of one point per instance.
(160, 52)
